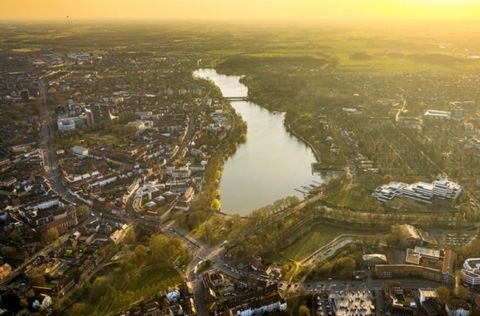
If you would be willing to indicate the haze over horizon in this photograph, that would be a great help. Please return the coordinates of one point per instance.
(231, 10)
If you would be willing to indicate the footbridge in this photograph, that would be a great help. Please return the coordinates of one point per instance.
(236, 98)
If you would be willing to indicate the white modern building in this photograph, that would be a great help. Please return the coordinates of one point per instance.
(79, 151)
(471, 271)
(260, 308)
(419, 191)
(140, 125)
(435, 114)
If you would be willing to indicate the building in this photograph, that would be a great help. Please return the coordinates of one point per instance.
(66, 124)
(186, 199)
(79, 151)
(472, 143)
(431, 307)
(259, 302)
(425, 294)
(371, 260)
(471, 271)
(119, 235)
(440, 271)
(458, 114)
(140, 125)
(419, 191)
(180, 173)
(49, 212)
(217, 285)
(399, 301)
(90, 118)
(419, 253)
(435, 114)
(458, 307)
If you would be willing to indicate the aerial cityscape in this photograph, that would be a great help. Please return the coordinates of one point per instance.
(240, 158)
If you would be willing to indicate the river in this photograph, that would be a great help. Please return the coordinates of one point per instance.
(270, 165)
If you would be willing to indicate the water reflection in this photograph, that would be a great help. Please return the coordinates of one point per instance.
(270, 165)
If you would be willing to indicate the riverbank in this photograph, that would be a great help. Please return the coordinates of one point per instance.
(303, 139)
(272, 164)
(207, 202)
(319, 166)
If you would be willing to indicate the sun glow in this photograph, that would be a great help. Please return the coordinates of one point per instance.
(427, 10)
(444, 2)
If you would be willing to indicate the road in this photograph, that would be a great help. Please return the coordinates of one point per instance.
(402, 109)
(201, 253)
(50, 162)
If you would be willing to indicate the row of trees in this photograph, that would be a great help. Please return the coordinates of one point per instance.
(342, 266)
(115, 287)
(207, 203)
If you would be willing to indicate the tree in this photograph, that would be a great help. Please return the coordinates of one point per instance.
(78, 309)
(131, 237)
(140, 252)
(167, 250)
(159, 246)
(461, 292)
(83, 210)
(395, 238)
(99, 287)
(216, 205)
(37, 276)
(50, 235)
(303, 311)
(443, 293)
(15, 236)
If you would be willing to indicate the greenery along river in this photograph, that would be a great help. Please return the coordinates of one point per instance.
(271, 164)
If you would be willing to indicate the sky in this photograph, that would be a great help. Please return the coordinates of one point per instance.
(302, 10)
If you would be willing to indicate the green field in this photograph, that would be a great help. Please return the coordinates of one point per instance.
(154, 275)
(151, 280)
(318, 236)
(354, 198)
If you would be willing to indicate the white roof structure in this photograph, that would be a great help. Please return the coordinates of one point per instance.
(438, 114)
(471, 271)
(173, 296)
(374, 256)
(419, 191)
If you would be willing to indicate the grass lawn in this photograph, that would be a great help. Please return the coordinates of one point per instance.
(154, 275)
(354, 198)
(106, 139)
(145, 285)
(314, 239)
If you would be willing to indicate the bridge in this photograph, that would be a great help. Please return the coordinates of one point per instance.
(236, 99)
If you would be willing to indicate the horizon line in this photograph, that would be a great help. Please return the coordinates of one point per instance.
(310, 20)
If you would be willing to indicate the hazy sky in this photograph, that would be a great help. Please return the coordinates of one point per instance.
(240, 9)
